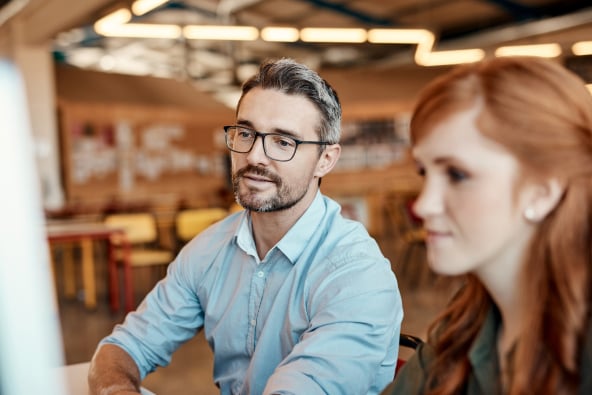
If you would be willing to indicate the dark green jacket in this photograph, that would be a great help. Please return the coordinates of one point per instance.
(484, 376)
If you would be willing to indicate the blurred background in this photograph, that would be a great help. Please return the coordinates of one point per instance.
(127, 99)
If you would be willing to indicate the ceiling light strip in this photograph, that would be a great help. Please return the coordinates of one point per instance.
(280, 34)
(441, 58)
(399, 36)
(213, 32)
(551, 50)
(116, 18)
(116, 25)
(582, 48)
(141, 7)
(333, 35)
(141, 30)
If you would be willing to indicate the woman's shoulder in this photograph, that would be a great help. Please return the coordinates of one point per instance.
(411, 378)
(586, 362)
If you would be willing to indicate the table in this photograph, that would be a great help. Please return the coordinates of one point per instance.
(85, 233)
(75, 379)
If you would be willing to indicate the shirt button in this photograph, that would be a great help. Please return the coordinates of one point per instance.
(253, 322)
(260, 274)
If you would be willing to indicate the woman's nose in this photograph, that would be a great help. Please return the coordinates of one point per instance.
(429, 202)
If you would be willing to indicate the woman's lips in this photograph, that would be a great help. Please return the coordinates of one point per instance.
(437, 235)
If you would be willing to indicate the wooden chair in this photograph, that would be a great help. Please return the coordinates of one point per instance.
(140, 248)
(407, 341)
(190, 222)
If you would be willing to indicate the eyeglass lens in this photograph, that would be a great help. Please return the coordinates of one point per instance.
(276, 146)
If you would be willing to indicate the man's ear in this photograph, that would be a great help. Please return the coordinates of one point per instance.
(546, 195)
(328, 159)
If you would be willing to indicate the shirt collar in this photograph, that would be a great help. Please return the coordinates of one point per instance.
(483, 353)
(295, 240)
(484, 344)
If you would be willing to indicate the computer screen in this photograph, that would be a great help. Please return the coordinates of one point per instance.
(30, 340)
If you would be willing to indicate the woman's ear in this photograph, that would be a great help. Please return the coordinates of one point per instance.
(328, 159)
(546, 195)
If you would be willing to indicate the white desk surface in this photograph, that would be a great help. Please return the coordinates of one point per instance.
(75, 379)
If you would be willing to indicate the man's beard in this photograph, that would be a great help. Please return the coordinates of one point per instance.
(283, 199)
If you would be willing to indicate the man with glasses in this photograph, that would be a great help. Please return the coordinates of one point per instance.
(293, 298)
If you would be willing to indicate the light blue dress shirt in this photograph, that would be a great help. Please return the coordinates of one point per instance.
(320, 314)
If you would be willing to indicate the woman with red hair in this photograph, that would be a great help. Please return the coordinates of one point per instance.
(505, 149)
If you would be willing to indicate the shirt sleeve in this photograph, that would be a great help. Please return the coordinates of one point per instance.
(411, 378)
(169, 316)
(351, 344)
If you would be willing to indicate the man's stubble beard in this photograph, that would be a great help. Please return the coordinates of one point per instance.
(282, 200)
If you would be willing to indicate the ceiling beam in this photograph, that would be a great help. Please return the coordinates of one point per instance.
(518, 11)
(44, 19)
(345, 10)
(513, 32)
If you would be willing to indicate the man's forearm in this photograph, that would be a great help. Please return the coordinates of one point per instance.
(113, 372)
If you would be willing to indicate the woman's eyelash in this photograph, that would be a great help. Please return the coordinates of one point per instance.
(456, 175)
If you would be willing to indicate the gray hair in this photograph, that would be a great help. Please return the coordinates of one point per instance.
(293, 78)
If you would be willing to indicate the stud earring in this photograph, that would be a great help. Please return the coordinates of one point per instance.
(530, 214)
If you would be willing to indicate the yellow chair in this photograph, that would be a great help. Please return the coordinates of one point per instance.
(140, 248)
(235, 207)
(190, 222)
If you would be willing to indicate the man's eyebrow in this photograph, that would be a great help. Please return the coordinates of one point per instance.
(249, 124)
(244, 122)
(285, 132)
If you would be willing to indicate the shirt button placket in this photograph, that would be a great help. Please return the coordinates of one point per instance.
(257, 288)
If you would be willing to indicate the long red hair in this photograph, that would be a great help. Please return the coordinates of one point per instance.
(542, 114)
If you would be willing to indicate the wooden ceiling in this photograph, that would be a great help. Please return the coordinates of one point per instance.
(218, 67)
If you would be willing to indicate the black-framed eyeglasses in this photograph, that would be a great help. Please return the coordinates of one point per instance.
(279, 147)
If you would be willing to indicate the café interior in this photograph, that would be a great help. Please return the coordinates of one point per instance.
(123, 108)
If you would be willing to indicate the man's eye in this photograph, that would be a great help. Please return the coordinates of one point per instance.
(456, 175)
(286, 142)
(283, 142)
(245, 134)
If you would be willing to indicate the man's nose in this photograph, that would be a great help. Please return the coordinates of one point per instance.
(257, 153)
